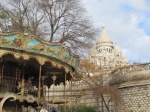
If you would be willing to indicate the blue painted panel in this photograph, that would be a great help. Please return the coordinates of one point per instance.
(11, 37)
(54, 54)
(55, 47)
(53, 51)
(66, 55)
(33, 42)
(74, 62)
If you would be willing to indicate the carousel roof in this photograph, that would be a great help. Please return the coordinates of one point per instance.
(23, 45)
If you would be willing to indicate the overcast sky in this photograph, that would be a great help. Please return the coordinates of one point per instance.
(127, 22)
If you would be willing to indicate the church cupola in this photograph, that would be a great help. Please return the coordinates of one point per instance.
(106, 55)
(117, 50)
(104, 44)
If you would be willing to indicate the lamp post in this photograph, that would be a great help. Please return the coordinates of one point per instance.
(54, 79)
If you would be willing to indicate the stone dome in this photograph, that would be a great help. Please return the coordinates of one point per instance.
(104, 37)
(117, 48)
(104, 42)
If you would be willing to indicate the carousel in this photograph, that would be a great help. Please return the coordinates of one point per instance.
(28, 65)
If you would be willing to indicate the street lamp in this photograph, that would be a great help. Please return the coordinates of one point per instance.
(54, 79)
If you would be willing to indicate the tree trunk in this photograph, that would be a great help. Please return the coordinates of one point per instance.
(107, 107)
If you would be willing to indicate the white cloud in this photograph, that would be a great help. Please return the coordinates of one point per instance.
(126, 21)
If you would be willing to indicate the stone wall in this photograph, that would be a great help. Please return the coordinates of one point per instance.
(135, 98)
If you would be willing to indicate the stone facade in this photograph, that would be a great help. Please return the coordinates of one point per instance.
(135, 90)
(136, 98)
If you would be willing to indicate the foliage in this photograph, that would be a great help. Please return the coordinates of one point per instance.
(85, 109)
(112, 91)
(87, 66)
(2, 15)
(80, 108)
(61, 108)
(100, 84)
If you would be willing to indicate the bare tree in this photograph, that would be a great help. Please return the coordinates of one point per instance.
(62, 21)
(25, 15)
(99, 85)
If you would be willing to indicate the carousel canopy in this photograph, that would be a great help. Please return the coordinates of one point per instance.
(18, 48)
(27, 46)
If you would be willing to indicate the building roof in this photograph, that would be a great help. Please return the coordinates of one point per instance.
(117, 48)
(31, 44)
(104, 37)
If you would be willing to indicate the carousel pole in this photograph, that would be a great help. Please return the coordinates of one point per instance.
(54, 79)
(71, 95)
(65, 93)
(39, 88)
(48, 98)
(22, 83)
(0, 72)
(43, 90)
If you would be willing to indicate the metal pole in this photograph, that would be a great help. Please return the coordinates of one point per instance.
(53, 90)
(43, 90)
(71, 95)
(0, 71)
(48, 98)
(39, 87)
(54, 79)
(65, 93)
(22, 83)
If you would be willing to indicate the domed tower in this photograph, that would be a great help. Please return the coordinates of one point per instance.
(117, 51)
(119, 58)
(106, 55)
(104, 44)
